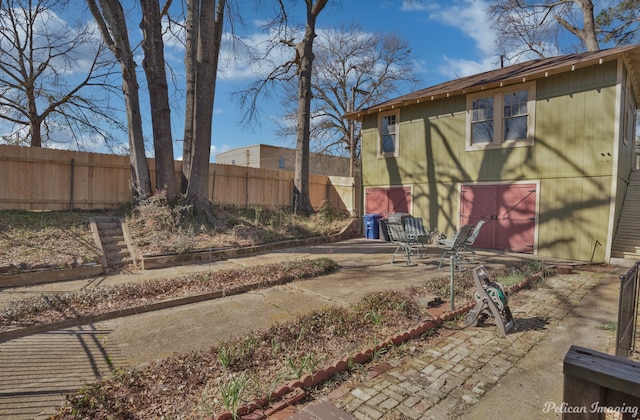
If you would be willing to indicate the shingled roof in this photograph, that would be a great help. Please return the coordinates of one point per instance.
(516, 73)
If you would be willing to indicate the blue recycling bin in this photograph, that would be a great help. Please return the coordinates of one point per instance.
(371, 227)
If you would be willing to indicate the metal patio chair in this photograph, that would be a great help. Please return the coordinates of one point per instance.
(414, 227)
(416, 233)
(467, 249)
(456, 246)
(398, 236)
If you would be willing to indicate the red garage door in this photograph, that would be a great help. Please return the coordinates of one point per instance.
(387, 200)
(509, 212)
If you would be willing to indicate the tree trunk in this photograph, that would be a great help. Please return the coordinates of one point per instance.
(588, 32)
(191, 33)
(36, 133)
(154, 67)
(137, 155)
(208, 49)
(118, 42)
(34, 122)
(305, 51)
(301, 176)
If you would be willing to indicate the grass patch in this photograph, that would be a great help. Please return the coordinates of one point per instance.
(520, 272)
(51, 239)
(609, 326)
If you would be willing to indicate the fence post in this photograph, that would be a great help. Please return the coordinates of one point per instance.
(246, 189)
(627, 312)
(451, 289)
(73, 165)
(213, 186)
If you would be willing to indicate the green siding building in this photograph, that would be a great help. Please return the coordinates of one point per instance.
(542, 151)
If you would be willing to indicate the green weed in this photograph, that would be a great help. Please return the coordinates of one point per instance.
(232, 394)
(298, 366)
(609, 326)
(275, 346)
(226, 356)
(375, 316)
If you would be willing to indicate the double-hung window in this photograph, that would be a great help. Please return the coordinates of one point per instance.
(501, 118)
(388, 130)
(482, 120)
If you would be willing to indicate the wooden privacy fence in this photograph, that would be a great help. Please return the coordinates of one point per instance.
(49, 179)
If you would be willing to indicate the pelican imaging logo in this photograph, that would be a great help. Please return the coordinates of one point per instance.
(596, 407)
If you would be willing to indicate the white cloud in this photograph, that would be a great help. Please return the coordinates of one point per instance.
(217, 150)
(455, 68)
(238, 56)
(417, 6)
(471, 18)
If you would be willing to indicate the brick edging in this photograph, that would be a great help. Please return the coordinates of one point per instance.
(294, 391)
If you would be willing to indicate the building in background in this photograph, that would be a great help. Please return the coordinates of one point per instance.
(542, 151)
(273, 157)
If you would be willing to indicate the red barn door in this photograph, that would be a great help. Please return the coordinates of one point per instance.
(509, 211)
(387, 200)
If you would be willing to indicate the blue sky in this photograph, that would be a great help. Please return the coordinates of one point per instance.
(448, 38)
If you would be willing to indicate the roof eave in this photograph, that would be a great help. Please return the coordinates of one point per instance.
(632, 61)
(632, 57)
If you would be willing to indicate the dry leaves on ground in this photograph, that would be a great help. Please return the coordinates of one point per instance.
(99, 300)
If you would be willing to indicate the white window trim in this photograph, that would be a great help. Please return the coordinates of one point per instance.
(497, 95)
(381, 154)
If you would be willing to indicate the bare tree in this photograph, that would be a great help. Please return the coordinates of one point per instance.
(304, 54)
(352, 69)
(45, 68)
(203, 35)
(110, 18)
(206, 50)
(528, 27)
(154, 68)
(190, 39)
(300, 70)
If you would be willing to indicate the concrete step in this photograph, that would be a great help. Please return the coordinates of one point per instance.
(121, 247)
(112, 239)
(110, 231)
(116, 263)
(625, 255)
(626, 243)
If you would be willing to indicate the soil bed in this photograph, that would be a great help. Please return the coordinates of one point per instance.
(208, 384)
(51, 308)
